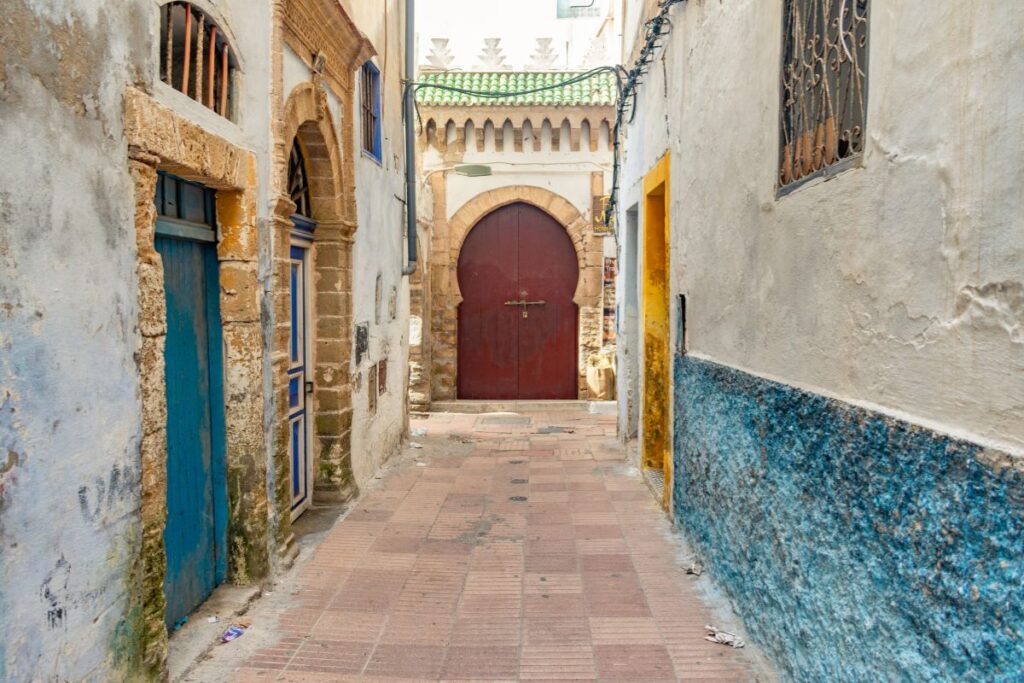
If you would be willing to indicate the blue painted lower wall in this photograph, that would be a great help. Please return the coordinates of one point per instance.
(857, 547)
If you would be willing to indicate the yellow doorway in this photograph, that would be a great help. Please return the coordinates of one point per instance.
(657, 385)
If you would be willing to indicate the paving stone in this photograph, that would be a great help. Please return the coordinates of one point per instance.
(438, 576)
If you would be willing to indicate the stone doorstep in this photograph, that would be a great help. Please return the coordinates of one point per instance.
(479, 407)
(190, 645)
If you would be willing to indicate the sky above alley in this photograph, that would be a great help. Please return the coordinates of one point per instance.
(519, 23)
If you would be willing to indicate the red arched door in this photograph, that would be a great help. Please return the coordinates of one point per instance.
(517, 321)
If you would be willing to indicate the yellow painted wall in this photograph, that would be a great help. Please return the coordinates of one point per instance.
(657, 383)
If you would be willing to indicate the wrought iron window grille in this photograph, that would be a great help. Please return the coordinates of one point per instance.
(196, 59)
(298, 181)
(823, 89)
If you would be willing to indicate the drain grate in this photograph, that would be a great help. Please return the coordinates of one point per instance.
(506, 420)
(556, 430)
(518, 499)
(516, 462)
(519, 481)
(656, 481)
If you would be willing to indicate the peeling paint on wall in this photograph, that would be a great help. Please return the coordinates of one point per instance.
(856, 546)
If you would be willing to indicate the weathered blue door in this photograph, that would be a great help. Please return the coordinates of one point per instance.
(299, 385)
(195, 534)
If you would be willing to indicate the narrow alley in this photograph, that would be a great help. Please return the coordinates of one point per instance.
(511, 547)
(478, 340)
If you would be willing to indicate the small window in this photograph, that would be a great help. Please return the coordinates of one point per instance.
(824, 86)
(195, 57)
(182, 200)
(369, 102)
(185, 209)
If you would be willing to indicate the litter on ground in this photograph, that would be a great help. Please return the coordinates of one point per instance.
(723, 637)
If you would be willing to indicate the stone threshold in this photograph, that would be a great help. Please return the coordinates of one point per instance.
(478, 407)
(196, 639)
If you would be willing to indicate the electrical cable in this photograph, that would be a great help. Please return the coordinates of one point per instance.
(627, 85)
(656, 28)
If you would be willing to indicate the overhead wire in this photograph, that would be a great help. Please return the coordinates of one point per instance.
(658, 27)
(499, 94)
(627, 84)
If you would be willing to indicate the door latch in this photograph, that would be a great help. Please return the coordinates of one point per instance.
(309, 388)
(524, 304)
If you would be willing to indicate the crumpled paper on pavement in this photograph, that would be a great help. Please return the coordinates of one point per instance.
(723, 637)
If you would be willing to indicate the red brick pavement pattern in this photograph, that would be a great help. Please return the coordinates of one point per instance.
(518, 556)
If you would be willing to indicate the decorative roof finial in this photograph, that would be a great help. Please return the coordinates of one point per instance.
(440, 57)
(543, 59)
(597, 54)
(492, 58)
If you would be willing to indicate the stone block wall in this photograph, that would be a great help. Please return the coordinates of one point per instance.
(856, 546)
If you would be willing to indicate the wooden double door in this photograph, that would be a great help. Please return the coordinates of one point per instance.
(518, 324)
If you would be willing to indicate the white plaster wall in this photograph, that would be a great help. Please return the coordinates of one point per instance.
(899, 285)
(566, 173)
(380, 249)
(69, 396)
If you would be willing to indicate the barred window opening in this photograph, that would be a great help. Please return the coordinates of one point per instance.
(298, 181)
(195, 57)
(824, 85)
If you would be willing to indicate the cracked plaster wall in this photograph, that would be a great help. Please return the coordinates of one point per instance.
(73, 590)
(379, 251)
(69, 392)
(899, 284)
(887, 304)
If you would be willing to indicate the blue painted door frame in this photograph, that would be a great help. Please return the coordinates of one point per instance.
(299, 381)
(195, 535)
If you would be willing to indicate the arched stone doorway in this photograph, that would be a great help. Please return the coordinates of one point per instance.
(313, 233)
(446, 294)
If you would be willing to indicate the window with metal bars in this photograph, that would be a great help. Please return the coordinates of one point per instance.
(369, 107)
(195, 57)
(824, 87)
(298, 181)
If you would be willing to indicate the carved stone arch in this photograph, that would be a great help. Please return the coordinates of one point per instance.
(529, 138)
(307, 121)
(430, 130)
(447, 297)
(561, 209)
(307, 118)
(508, 136)
(488, 136)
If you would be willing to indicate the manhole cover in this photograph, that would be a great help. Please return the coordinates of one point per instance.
(516, 462)
(519, 481)
(518, 499)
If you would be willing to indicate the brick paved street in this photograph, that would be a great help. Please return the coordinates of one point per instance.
(518, 548)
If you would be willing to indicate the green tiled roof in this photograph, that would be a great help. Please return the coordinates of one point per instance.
(598, 90)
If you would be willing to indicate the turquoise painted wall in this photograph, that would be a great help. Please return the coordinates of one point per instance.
(857, 547)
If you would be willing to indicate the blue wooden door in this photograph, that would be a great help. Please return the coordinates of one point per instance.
(298, 382)
(195, 535)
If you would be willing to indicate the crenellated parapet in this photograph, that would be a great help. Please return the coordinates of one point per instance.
(502, 129)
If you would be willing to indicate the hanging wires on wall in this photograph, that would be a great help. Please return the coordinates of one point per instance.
(498, 95)
(658, 27)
